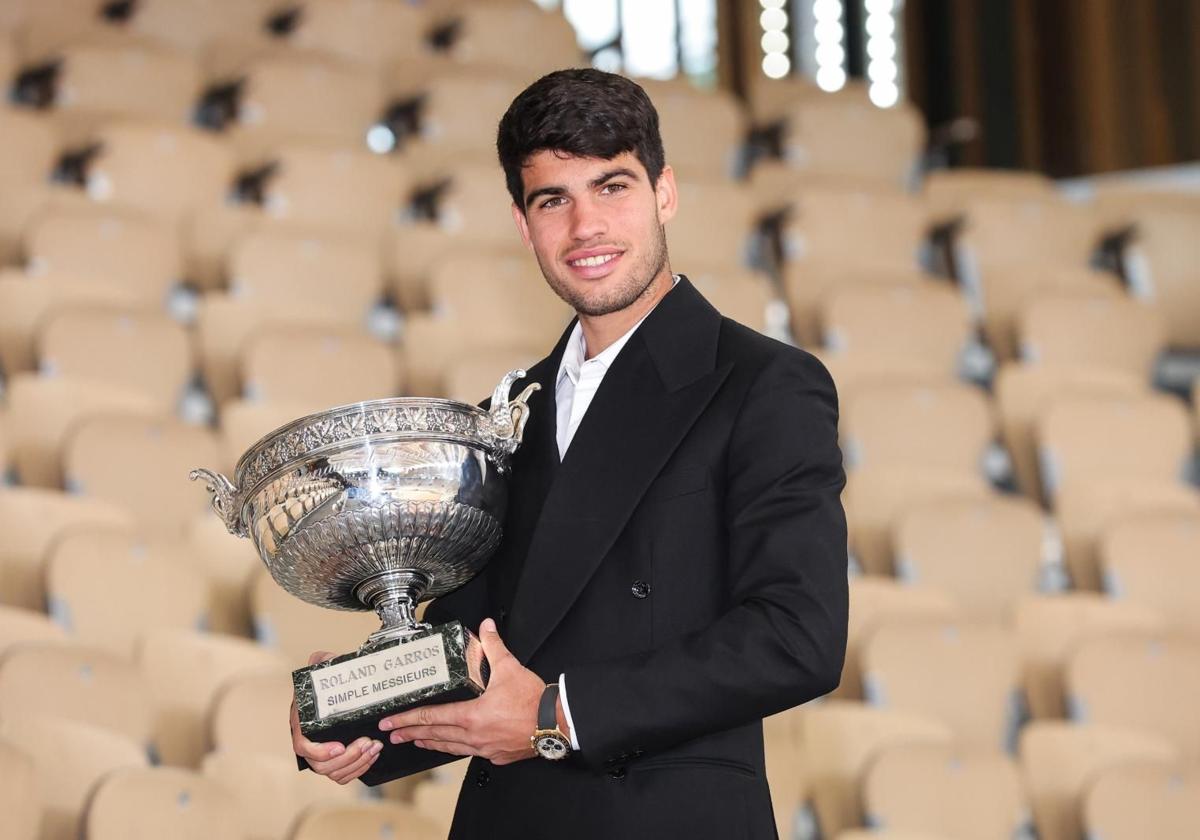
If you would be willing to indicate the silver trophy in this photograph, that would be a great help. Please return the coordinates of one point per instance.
(380, 505)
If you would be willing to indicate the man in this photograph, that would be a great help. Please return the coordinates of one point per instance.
(673, 566)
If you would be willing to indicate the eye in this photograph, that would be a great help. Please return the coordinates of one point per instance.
(615, 187)
(553, 201)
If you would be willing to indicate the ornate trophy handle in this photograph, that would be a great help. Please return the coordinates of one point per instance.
(224, 499)
(508, 418)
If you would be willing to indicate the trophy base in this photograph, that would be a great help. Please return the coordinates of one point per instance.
(344, 698)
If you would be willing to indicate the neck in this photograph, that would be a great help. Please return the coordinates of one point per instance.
(599, 331)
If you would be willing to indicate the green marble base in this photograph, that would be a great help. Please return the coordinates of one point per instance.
(344, 698)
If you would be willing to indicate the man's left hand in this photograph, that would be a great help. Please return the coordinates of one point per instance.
(497, 725)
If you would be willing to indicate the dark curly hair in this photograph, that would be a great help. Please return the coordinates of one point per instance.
(582, 112)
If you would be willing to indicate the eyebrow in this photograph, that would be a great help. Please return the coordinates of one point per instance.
(599, 180)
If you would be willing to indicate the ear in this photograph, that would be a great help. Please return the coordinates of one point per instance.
(522, 225)
(666, 195)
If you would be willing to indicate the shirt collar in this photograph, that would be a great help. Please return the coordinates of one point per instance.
(573, 358)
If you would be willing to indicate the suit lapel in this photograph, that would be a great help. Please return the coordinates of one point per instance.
(649, 399)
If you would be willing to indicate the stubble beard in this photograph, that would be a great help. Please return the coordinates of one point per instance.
(637, 282)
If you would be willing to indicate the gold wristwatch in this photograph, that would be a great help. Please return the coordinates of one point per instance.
(548, 740)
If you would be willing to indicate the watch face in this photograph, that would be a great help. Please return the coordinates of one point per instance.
(552, 746)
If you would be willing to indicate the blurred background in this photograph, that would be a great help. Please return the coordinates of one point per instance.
(984, 217)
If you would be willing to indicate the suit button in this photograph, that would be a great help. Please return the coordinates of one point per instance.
(640, 589)
(616, 774)
(482, 778)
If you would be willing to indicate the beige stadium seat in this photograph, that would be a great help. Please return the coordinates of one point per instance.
(367, 819)
(1115, 333)
(130, 349)
(1086, 510)
(1138, 802)
(1060, 760)
(413, 253)
(807, 283)
(97, 583)
(847, 137)
(244, 422)
(284, 623)
(1139, 681)
(208, 235)
(828, 223)
(876, 600)
(304, 98)
(941, 427)
(191, 25)
(228, 563)
(745, 296)
(43, 411)
(269, 792)
(249, 714)
(1121, 204)
(1043, 231)
(1161, 263)
(1050, 627)
(128, 251)
(341, 189)
(946, 790)
(167, 170)
(32, 519)
(20, 626)
(698, 154)
(318, 368)
(965, 674)
(19, 793)
(374, 32)
(787, 776)
(852, 373)
(185, 672)
(69, 759)
(155, 802)
(841, 739)
(26, 303)
(29, 147)
(1151, 560)
(986, 553)
(713, 225)
(484, 33)
(76, 682)
(1008, 289)
(875, 500)
(471, 379)
(436, 798)
(948, 192)
(472, 205)
(928, 324)
(1081, 438)
(96, 81)
(1024, 391)
(457, 112)
(142, 466)
(278, 268)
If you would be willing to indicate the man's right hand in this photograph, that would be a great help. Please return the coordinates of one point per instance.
(340, 763)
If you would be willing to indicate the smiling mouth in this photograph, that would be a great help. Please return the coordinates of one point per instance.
(587, 262)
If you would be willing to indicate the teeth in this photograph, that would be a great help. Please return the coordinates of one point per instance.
(590, 261)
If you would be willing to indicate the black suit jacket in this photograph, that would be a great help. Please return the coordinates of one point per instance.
(684, 566)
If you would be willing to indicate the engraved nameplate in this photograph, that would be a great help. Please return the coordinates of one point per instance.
(373, 679)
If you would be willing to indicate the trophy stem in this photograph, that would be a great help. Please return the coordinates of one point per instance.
(394, 595)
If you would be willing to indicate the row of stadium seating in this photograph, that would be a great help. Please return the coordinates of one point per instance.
(217, 215)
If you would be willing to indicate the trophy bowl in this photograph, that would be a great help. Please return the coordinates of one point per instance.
(378, 506)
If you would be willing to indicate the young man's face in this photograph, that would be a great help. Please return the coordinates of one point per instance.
(595, 226)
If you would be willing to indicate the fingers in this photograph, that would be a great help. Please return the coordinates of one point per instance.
(447, 714)
(446, 747)
(301, 745)
(342, 764)
(319, 656)
(431, 733)
(364, 763)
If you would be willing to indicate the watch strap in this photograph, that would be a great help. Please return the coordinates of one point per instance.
(547, 717)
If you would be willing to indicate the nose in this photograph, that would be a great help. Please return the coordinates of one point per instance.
(587, 220)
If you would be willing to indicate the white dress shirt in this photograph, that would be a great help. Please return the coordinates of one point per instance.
(578, 380)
